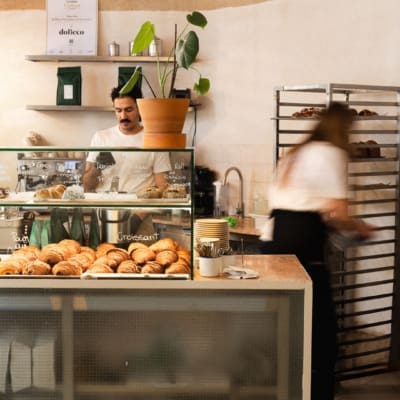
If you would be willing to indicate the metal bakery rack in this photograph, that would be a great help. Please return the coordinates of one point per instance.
(366, 274)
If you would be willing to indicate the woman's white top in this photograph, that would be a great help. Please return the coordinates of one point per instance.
(318, 172)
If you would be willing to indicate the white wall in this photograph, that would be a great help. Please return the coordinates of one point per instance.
(246, 51)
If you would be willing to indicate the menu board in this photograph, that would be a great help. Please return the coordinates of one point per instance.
(72, 27)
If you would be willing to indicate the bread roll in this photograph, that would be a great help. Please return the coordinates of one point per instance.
(174, 191)
(150, 192)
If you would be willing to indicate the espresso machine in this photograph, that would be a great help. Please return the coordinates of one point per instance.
(204, 191)
(36, 171)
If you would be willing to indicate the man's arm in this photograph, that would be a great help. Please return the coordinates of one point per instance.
(91, 177)
(160, 180)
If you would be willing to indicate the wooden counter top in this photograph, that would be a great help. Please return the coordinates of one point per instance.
(277, 272)
(272, 268)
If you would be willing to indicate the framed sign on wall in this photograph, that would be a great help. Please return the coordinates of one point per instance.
(72, 27)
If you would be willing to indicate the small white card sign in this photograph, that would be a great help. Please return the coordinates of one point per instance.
(72, 27)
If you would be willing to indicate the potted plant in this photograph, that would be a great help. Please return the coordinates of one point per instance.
(165, 114)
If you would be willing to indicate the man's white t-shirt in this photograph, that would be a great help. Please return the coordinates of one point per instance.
(317, 172)
(134, 169)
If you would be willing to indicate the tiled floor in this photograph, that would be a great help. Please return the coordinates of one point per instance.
(379, 387)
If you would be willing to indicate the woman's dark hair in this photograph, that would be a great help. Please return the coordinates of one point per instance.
(333, 126)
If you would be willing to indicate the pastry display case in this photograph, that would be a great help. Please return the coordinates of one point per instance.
(365, 274)
(51, 225)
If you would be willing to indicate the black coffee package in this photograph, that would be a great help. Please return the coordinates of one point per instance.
(69, 86)
(124, 73)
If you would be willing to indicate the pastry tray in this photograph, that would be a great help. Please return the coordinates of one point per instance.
(92, 198)
(118, 276)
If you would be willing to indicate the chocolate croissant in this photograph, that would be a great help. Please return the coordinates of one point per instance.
(52, 253)
(66, 268)
(166, 257)
(37, 267)
(9, 268)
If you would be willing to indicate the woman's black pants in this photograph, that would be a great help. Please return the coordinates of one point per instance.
(304, 234)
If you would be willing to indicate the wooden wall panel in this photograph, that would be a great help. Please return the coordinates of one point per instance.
(127, 5)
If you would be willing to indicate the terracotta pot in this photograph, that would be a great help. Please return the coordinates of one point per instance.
(163, 115)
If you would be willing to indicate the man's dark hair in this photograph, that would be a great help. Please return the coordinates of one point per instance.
(115, 93)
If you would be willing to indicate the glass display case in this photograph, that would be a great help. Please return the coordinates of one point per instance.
(116, 210)
(84, 328)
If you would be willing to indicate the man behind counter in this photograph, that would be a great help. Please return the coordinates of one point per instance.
(135, 170)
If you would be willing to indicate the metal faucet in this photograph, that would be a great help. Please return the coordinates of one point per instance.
(240, 208)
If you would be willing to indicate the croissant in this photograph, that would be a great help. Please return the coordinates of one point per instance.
(128, 267)
(103, 248)
(152, 267)
(72, 245)
(9, 268)
(30, 249)
(83, 260)
(166, 257)
(37, 267)
(66, 268)
(163, 244)
(103, 260)
(101, 269)
(52, 253)
(143, 255)
(184, 255)
(117, 255)
(135, 245)
(88, 252)
(178, 268)
(53, 192)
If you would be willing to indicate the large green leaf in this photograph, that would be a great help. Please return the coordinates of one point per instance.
(187, 50)
(143, 38)
(130, 84)
(202, 86)
(197, 18)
